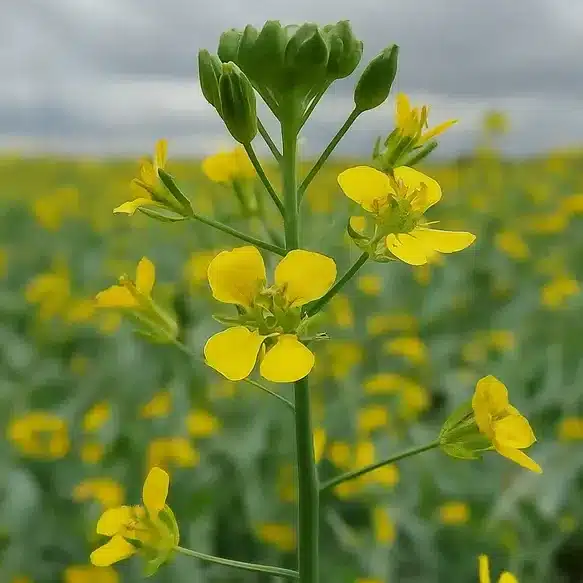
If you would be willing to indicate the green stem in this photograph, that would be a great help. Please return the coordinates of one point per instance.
(357, 473)
(326, 153)
(239, 564)
(308, 511)
(188, 352)
(244, 237)
(263, 177)
(288, 167)
(319, 304)
(313, 104)
(270, 143)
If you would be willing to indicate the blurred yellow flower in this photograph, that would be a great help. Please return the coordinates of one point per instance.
(413, 121)
(96, 417)
(281, 536)
(106, 491)
(383, 383)
(501, 423)
(90, 574)
(410, 347)
(160, 405)
(398, 204)
(512, 244)
(557, 292)
(200, 423)
(196, 268)
(454, 512)
(150, 527)
(319, 437)
(372, 417)
(570, 429)
(92, 452)
(484, 572)
(378, 324)
(238, 277)
(370, 285)
(415, 399)
(341, 311)
(172, 451)
(229, 166)
(3, 263)
(572, 204)
(384, 528)
(40, 434)
(51, 291)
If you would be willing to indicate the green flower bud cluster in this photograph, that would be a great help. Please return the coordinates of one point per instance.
(229, 91)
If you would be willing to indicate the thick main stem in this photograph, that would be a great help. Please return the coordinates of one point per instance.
(308, 512)
(308, 493)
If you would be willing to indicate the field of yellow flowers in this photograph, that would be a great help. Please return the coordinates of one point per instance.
(88, 406)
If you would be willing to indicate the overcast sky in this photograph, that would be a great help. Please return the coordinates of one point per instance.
(112, 76)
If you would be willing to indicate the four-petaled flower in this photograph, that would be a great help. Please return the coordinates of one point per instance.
(484, 572)
(150, 529)
(226, 167)
(269, 317)
(501, 423)
(398, 203)
(413, 121)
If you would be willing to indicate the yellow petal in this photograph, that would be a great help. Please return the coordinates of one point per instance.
(114, 550)
(288, 361)
(484, 569)
(115, 296)
(514, 431)
(233, 352)
(304, 276)
(155, 491)
(161, 154)
(319, 443)
(113, 520)
(429, 189)
(409, 249)
(402, 110)
(130, 207)
(445, 241)
(491, 395)
(237, 276)
(520, 458)
(218, 167)
(365, 185)
(436, 131)
(145, 276)
(507, 577)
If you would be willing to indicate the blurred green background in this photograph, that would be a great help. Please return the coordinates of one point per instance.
(87, 406)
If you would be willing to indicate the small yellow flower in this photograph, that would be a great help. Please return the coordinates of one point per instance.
(571, 429)
(40, 434)
(200, 423)
(501, 423)
(413, 121)
(108, 492)
(513, 245)
(90, 574)
(172, 451)
(557, 292)
(158, 406)
(226, 167)
(92, 452)
(148, 187)
(269, 316)
(484, 572)
(384, 527)
(96, 417)
(150, 528)
(370, 285)
(282, 536)
(454, 512)
(409, 347)
(378, 324)
(398, 204)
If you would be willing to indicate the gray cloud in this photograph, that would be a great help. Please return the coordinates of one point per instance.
(113, 75)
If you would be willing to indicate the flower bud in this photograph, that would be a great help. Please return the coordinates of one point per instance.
(268, 54)
(376, 80)
(306, 57)
(209, 72)
(238, 103)
(246, 54)
(345, 50)
(229, 45)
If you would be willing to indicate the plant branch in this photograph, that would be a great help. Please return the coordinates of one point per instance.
(263, 177)
(270, 143)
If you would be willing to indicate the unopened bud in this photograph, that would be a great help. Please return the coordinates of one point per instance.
(238, 103)
(376, 80)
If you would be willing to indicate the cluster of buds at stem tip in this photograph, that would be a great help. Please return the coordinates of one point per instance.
(292, 66)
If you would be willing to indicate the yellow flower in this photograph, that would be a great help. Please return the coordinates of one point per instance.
(384, 528)
(282, 536)
(513, 245)
(201, 423)
(135, 298)
(501, 423)
(484, 572)
(342, 311)
(196, 268)
(90, 574)
(370, 285)
(227, 167)
(413, 121)
(92, 452)
(96, 417)
(571, 429)
(378, 324)
(159, 405)
(178, 451)
(372, 417)
(555, 294)
(409, 347)
(454, 512)
(40, 434)
(148, 187)
(269, 317)
(398, 204)
(106, 491)
(150, 528)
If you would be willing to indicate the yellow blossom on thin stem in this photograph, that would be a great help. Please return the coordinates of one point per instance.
(501, 423)
(269, 316)
(226, 167)
(484, 572)
(398, 204)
